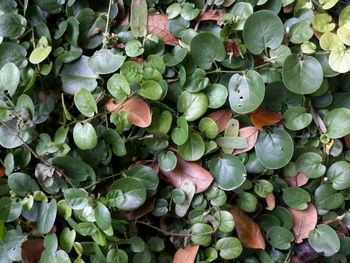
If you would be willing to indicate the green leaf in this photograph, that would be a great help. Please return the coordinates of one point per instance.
(145, 175)
(190, 189)
(343, 33)
(132, 71)
(193, 105)
(47, 216)
(74, 168)
(209, 127)
(217, 95)
(76, 198)
(300, 32)
(311, 165)
(10, 209)
(10, 140)
(12, 25)
(197, 81)
(328, 198)
(323, 23)
(12, 52)
(339, 60)
(296, 197)
(167, 160)
(119, 87)
(199, 228)
(133, 48)
(67, 239)
(302, 76)
(229, 247)
(227, 223)
(344, 16)
(223, 167)
(105, 61)
(246, 92)
(208, 44)
(39, 54)
(324, 240)
(339, 174)
(296, 118)
(179, 196)
(138, 18)
(279, 237)
(134, 193)
(161, 122)
(258, 36)
(180, 134)
(84, 136)
(151, 89)
(85, 102)
(241, 11)
(278, 142)
(337, 122)
(9, 78)
(279, 55)
(103, 216)
(193, 149)
(117, 256)
(263, 188)
(173, 10)
(188, 12)
(22, 184)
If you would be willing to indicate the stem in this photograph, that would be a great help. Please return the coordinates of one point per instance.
(104, 179)
(203, 11)
(238, 71)
(107, 22)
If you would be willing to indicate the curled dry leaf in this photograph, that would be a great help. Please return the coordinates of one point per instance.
(303, 222)
(221, 117)
(2, 171)
(143, 210)
(210, 15)
(251, 135)
(270, 201)
(261, 118)
(248, 231)
(299, 180)
(139, 111)
(158, 25)
(200, 177)
(186, 255)
(31, 250)
(347, 141)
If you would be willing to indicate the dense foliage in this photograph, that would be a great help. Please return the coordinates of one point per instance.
(160, 131)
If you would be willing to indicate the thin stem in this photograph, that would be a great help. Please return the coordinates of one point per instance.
(238, 71)
(107, 22)
(104, 179)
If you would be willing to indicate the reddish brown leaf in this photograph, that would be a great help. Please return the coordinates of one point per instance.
(261, 118)
(251, 135)
(139, 111)
(303, 222)
(270, 201)
(248, 231)
(317, 34)
(142, 210)
(186, 255)
(137, 60)
(2, 171)
(210, 15)
(221, 117)
(31, 250)
(200, 177)
(299, 180)
(347, 141)
(158, 25)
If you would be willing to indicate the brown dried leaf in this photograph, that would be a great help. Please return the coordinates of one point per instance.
(347, 141)
(186, 255)
(248, 231)
(270, 201)
(261, 118)
(2, 171)
(303, 222)
(142, 210)
(31, 250)
(221, 117)
(158, 25)
(139, 111)
(299, 180)
(210, 15)
(200, 177)
(251, 135)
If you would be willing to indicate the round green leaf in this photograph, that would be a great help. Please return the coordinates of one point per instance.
(167, 160)
(179, 196)
(344, 16)
(229, 247)
(209, 127)
(302, 76)
(156, 244)
(197, 81)
(223, 167)
(173, 10)
(151, 89)
(324, 240)
(132, 71)
(327, 197)
(188, 12)
(247, 202)
(310, 164)
(193, 105)
(9, 77)
(337, 122)
(134, 193)
(12, 25)
(339, 174)
(85, 102)
(241, 10)
(67, 239)
(275, 148)
(258, 36)
(323, 23)
(200, 228)
(296, 198)
(246, 92)
(279, 237)
(193, 149)
(133, 48)
(227, 223)
(10, 209)
(47, 216)
(161, 122)
(339, 60)
(103, 216)
(296, 118)
(217, 95)
(262, 188)
(279, 55)
(208, 44)
(39, 54)
(117, 256)
(300, 32)
(119, 87)
(85, 136)
(105, 61)
(145, 175)
(180, 134)
(22, 184)
(76, 198)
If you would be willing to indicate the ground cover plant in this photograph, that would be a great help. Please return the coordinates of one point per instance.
(163, 131)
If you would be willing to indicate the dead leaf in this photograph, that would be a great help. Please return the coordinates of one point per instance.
(210, 15)
(186, 255)
(31, 250)
(261, 118)
(271, 202)
(158, 25)
(317, 34)
(248, 231)
(143, 210)
(139, 111)
(328, 147)
(303, 222)
(221, 117)
(251, 135)
(2, 171)
(299, 180)
(200, 177)
(347, 141)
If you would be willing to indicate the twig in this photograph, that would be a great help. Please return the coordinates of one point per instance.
(203, 11)
(238, 71)
(107, 22)
(104, 179)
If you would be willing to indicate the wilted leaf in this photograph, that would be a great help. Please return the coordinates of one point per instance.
(186, 255)
(299, 180)
(32, 250)
(347, 141)
(139, 111)
(158, 25)
(271, 201)
(221, 117)
(2, 171)
(251, 135)
(143, 210)
(248, 231)
(303, 222)
(200, 177)
(210, 15)
(261, 118)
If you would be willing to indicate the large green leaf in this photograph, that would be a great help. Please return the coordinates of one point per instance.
(12, 25)
(22, 184)
(103, 216)
(193, 149)
(193, 105)
(339, 174)
(145, 175)
(337, 122)
(324, 239)
(85, 136)
(105, 61)
(47, 216)
(310, 164)
(9, 78)
(12, 52)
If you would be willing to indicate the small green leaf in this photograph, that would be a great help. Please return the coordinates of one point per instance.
(167, 160)
(229, 247)
(47, 216)
(85, 102)
(296, 197)
(193, 149)
(103, 216)
(279, 237)
(85, 136)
